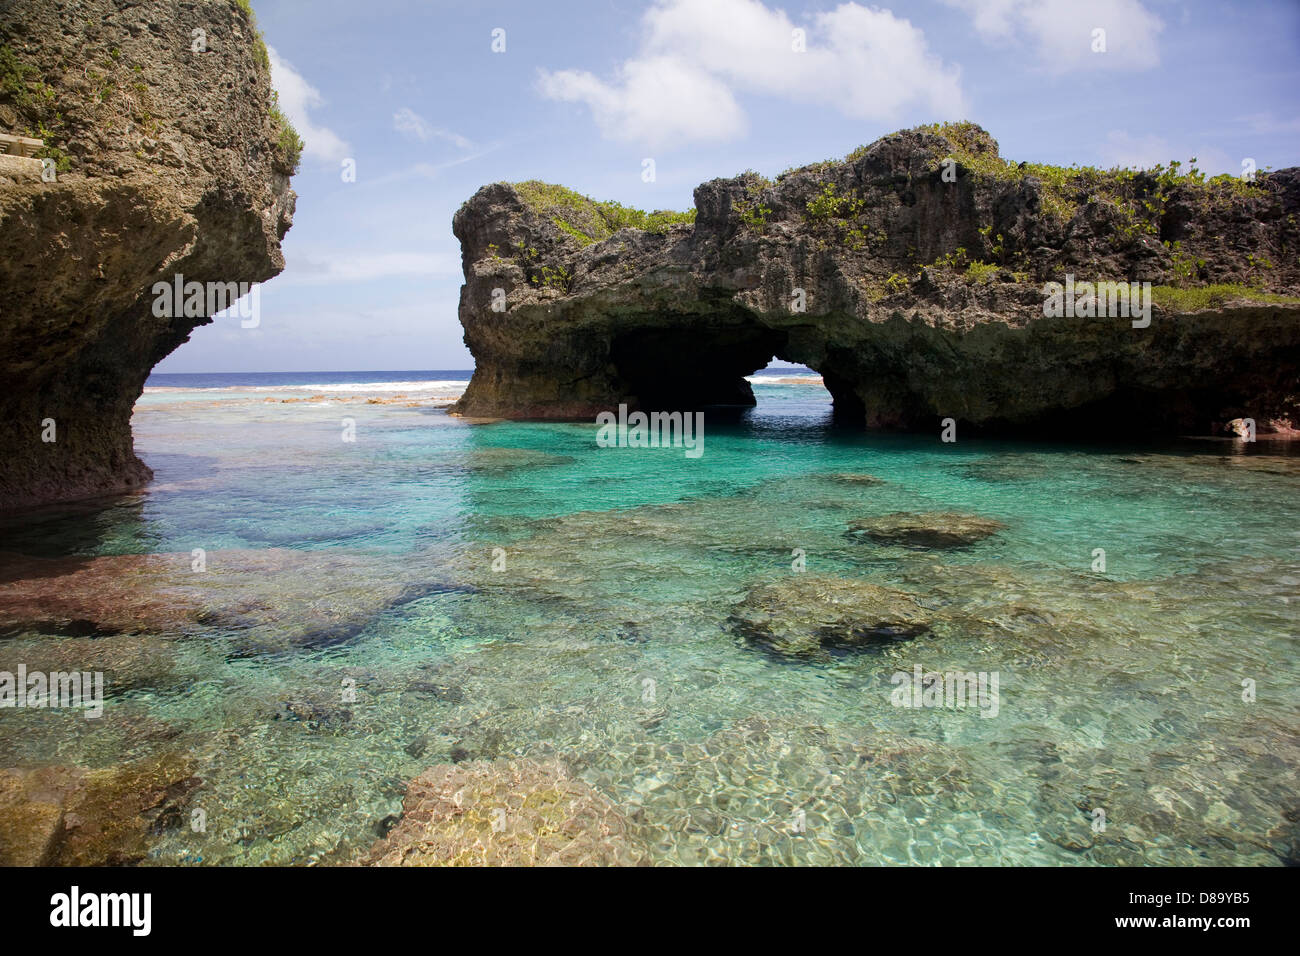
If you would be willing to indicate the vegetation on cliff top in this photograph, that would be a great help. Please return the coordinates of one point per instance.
(288, 144)
(259, 43)
(1200, 298)
(1137, 199)
(1141, 193)
(590, 221)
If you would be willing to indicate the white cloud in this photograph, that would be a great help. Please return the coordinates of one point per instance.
(297, 96)
(1060, 32)
(696, 54)
(656, 100)
(407, 121)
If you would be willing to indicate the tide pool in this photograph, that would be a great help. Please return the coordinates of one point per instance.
(515, 591)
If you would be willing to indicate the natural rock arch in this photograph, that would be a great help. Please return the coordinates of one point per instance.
(922, 294)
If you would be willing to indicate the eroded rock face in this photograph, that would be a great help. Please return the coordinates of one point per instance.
(506, 813)
(922, 299)
(169, 165)
(807, 615)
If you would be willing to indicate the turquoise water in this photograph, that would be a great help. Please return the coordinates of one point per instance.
(609, 639)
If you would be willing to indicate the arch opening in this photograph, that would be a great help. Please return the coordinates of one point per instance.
(685, 368)
(671, 368)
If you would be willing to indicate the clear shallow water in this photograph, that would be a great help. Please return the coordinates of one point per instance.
(1118, 690)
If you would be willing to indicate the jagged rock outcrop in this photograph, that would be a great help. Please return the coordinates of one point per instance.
(169, 161)
(918, 295)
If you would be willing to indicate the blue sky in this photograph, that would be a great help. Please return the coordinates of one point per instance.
(584, 92)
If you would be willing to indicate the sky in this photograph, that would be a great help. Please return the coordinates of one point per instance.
(431, 100)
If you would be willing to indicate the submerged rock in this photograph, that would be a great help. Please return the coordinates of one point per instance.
(450, 693)
(1196, 814)
(806, 615)
(32, 807)
(1180, 468)
(503, 461)
(1004, 469)
(71, 816)
(128, 661)
(784, 788)
(318, 710)
(855, 478)
(931, 529)
(267, 601)
(561, 556)
(113, 821)
(505, 813)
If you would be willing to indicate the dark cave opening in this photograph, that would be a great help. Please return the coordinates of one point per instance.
(681, 368)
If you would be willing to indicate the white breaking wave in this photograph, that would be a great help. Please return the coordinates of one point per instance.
(784, 379)
(441, 385)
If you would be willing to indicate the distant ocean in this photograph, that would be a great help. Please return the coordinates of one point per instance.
(786, 390)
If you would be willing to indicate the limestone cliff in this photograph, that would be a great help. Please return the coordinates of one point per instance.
(170, 159)
(911, 275)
